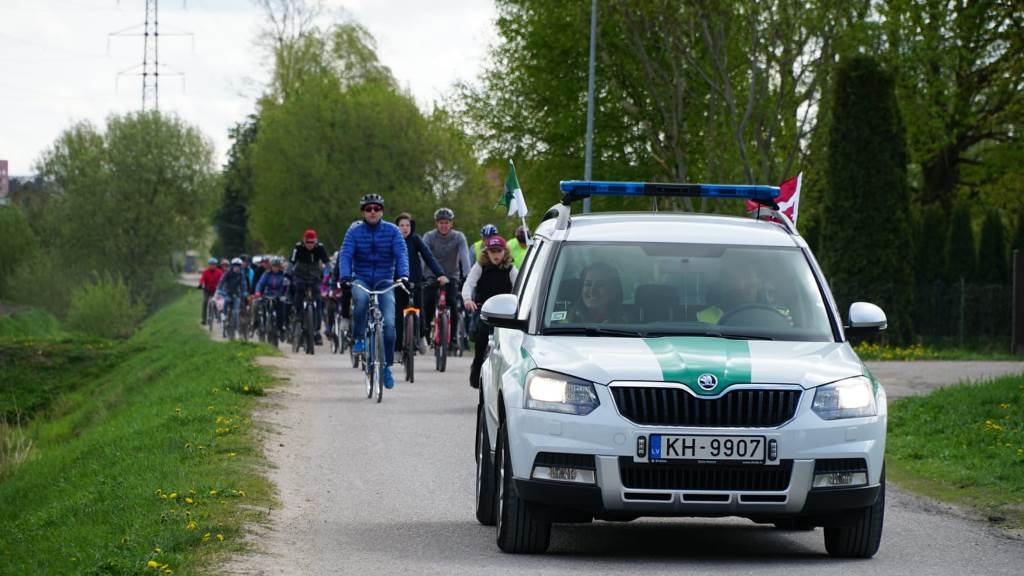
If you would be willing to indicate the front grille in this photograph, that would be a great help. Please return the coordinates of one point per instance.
(677, 407)
(694, 476)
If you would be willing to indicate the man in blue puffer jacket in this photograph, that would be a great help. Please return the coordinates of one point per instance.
(373, 254)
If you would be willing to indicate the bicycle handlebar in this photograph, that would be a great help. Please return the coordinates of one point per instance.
(379, 292)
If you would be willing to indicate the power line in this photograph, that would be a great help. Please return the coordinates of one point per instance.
(150, 69)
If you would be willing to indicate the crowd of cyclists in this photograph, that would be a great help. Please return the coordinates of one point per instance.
(373, 254)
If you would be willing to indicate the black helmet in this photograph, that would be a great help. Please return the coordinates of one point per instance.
(368, 199)
(444, 214)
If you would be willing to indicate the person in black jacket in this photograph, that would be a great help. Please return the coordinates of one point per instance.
(494, 273)
(308, 259)
(417, 251)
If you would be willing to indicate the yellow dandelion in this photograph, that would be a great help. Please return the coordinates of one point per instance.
(213, 492)
(220, 537)
(206, 537)
(189, 501)
(153, 565)
(158, 492)
(1004, 406)
(173, 495)
(167, 570)
(231, 454)
(191, 525)
(240, 493)
(157, 551)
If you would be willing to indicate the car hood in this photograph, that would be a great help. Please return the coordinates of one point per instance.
(685, 359)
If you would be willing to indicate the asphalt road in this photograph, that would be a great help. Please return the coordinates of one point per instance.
(387, 488)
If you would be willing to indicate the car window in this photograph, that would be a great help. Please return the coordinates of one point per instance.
(673, 288)
(533, 278)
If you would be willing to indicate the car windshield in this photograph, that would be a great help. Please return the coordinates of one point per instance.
(675, 289)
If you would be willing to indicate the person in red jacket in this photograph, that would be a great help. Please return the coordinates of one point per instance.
(208, 283)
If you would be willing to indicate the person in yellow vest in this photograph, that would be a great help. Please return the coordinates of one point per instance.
(736, 287)
(517, 247)
(486, 232)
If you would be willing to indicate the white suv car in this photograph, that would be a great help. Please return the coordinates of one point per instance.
(666, 364)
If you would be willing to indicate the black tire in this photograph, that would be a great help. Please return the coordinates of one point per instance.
(211, 314)
(441, 352)
(296, 337)
(272, 332)
(307, 329)
(485, 498)
(380, 362)
(522, 527)
(862, 537)
(343, 341)
(409, 348)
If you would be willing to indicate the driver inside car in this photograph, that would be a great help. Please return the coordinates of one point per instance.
(737, 286)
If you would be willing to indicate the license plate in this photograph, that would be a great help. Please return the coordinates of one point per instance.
(734, 448)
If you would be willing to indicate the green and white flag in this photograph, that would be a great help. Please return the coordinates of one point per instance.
(512, 198)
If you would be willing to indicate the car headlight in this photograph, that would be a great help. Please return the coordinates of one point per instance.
(850, 398)
(553, 392)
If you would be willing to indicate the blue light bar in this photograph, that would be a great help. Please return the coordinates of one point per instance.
(575, 189)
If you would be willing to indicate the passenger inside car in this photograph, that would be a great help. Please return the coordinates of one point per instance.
(600, 297)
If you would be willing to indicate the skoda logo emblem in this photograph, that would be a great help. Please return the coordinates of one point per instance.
(707, 381)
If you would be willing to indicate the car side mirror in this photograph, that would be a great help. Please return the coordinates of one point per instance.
(500, 311)
(866, 317)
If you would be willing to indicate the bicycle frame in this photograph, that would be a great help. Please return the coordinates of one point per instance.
(375, 363)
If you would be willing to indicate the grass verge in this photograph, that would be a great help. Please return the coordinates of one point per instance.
(965, 445)
(872, 351)
(152, 466)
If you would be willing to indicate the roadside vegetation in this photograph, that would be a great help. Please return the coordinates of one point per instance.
(873, 351)
(963, 444)
(137, 456)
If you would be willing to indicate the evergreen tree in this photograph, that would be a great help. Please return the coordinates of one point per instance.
(960, 256)
(866, 240)
(232, 219)
(993, 264)
(932, 234)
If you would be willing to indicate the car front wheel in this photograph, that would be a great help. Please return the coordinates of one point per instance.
(523, 527)
(861, 538)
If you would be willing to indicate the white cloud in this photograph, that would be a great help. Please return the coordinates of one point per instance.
(57, 68)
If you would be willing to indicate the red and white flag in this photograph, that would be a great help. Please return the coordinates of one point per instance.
(788, 200)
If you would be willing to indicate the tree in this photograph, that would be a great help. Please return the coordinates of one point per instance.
(129, 196)
(931, 238)
(958, 66)
(961, 252)
(993, 264)
(866, 256)
(341, 130)
(17, 243)
(232, 219)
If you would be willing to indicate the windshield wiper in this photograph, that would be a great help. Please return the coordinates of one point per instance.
(593, 331)
(708, 333)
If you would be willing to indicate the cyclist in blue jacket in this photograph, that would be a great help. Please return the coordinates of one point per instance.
(373, 254)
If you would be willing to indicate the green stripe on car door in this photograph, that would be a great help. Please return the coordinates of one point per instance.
(684, 359)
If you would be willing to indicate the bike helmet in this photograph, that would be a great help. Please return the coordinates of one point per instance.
(488, 230)
(236, 261)
(277, 261)
(212, 261)
(444, 214)
(368, 199)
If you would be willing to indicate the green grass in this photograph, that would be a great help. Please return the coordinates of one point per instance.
(29, 324)
(965, 445)
(155, 459)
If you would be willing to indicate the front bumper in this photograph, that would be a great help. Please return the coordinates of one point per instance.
(758, 491)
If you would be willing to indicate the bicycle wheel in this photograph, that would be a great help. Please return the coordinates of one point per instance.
(307, 326)
(211, 313)
(379, 361)
(231, 324)
(296, 335)
(272, 332)
(367, 361)
(441, 351)
(409, 346)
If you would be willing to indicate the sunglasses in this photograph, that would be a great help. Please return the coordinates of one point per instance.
(373, 208)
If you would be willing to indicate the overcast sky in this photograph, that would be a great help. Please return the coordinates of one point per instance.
(59, 62)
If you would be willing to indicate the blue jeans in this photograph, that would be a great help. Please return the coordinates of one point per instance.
(360, 307)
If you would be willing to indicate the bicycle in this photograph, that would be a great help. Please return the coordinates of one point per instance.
(411, 322)
(304, 323)
(373, 359)
(232, 307)
(441, 330)
(211, 313)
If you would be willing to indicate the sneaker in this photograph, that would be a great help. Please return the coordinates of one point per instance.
(389, 380)
(422, 345)
(359, 347)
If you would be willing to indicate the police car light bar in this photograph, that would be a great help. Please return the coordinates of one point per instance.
(577, 189)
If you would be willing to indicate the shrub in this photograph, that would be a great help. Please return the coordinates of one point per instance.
(41, 282)
(17, 244)
(104, 307)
